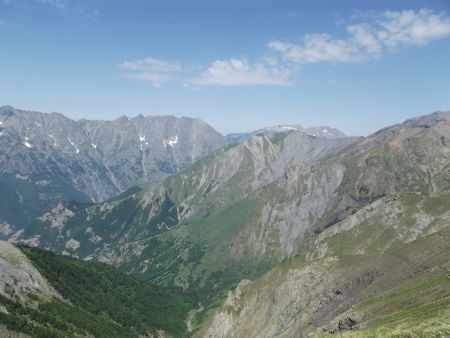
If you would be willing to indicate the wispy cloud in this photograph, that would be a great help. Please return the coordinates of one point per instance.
(369, 39)
(60, 4)
(71, 6)
(370, 36)
(152, 65)
(232, 72)
(153, 70)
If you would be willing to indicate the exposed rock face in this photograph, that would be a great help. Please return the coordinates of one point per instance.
(223, 321)
(100, 158)
(288, 302)
(320, 193)
(19, 277)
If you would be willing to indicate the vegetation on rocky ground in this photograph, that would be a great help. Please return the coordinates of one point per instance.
(97, 300)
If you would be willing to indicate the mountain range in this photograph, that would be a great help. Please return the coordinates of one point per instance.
(100, 158)
(284, 232)
(48, 158)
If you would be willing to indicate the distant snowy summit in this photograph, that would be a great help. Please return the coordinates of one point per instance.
(322, 131)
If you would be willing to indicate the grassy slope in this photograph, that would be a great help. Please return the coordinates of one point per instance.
(104, 302)
(417, 306)
(420, 305)
(400, 299)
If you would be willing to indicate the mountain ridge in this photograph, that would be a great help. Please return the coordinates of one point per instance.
(120, 159)
(321, 131)
(243, 211)
(275, 188)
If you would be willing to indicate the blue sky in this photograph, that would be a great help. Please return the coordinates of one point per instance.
(239, 65)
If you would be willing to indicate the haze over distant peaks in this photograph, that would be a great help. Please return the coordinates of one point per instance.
(322, 131)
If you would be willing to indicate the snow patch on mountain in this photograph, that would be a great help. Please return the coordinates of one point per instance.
(22, 177)
(142, 141)
(171, 141)
(73, 145)
(53, 139)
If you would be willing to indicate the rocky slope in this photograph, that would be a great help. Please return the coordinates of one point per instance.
(18, 276)
(358, 275)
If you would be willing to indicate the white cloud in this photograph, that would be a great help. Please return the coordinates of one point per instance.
(241, 72)
(370, 36)
(368, 40)
(413, 28)
(317, 47)
(232, 72)
(364, 39)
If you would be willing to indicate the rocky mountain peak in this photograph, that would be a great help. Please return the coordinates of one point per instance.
(101, 158)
